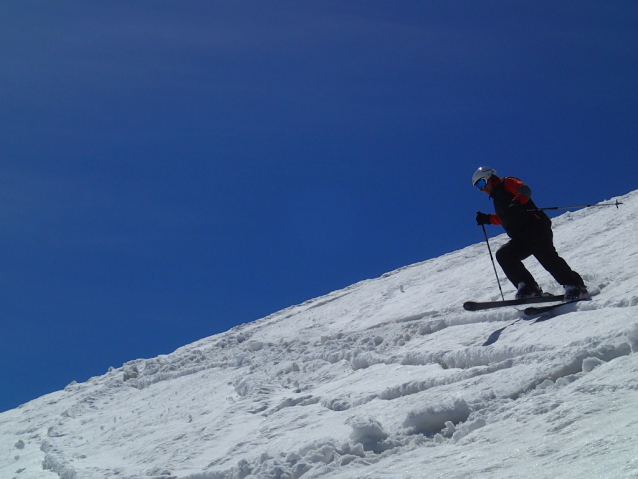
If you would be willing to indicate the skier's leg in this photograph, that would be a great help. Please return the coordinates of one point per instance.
(546, 254)
(510, 256)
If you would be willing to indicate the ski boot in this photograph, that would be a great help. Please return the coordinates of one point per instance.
(574, 292)
(525, 291)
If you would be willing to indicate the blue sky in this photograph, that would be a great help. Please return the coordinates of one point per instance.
(171, 169)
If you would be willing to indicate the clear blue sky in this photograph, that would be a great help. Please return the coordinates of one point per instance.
(171, 169)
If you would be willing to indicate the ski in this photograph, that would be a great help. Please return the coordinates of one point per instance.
(533, 311)
(477, 306)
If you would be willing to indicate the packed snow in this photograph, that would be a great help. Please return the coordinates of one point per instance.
(388, 378)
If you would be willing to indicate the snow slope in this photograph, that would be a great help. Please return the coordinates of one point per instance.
(388, 378)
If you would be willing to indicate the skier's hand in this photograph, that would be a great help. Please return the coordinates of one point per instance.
(483, 219)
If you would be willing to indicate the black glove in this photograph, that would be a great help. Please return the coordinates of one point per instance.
(483, 219)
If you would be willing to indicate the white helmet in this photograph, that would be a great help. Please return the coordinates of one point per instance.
(483, 173)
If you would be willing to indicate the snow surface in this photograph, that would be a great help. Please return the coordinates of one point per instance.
(388, 378)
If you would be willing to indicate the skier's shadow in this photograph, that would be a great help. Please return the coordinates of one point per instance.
(542, 318)
(539, 318)
(495, 335)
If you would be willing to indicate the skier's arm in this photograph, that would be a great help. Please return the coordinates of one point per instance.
(487, 219)
(522, 193)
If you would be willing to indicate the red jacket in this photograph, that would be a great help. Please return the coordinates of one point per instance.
(516, 221)
(515, 187)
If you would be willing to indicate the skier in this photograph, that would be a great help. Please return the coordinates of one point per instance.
(530, 232)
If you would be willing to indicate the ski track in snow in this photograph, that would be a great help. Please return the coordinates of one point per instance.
(387, 378)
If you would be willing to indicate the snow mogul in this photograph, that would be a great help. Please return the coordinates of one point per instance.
(530, 232)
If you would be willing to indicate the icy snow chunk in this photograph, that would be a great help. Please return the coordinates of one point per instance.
(367, 431)
(158, 471)
(291, 402)
(433, 418)
(71, 386)
(54, 431)
(256, 345)
(364, 359)
(360, 362)
(244, 468)
(449, 430)
(424, 328)
(590, 363)
(347, 459)
(241, 360)
(347, 449)
(292, 458)
(130, 372)
(467, 428)
(548, 383)
(300, 469)
(325, 454)
(336, 404)
(566, 380)
(250, 386)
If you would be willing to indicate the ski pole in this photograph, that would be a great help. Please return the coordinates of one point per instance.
(493, 264)
(616, 204)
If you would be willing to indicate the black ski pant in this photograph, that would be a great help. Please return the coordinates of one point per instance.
(538, 242)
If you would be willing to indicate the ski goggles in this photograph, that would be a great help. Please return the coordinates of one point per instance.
(480, 184)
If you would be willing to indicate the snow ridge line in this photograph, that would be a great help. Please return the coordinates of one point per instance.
(146, 381)
(369, 443)
(358, 359)
(416, 387)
